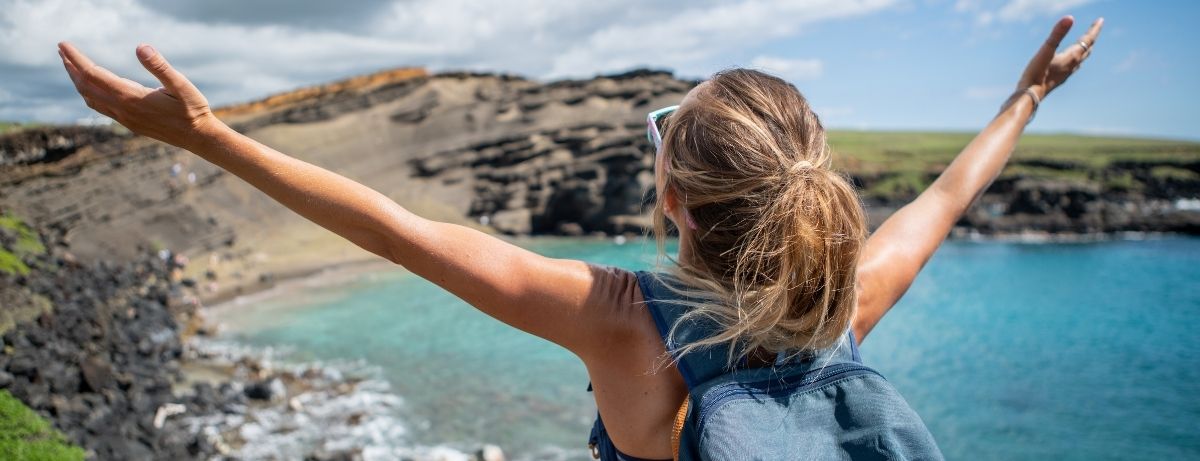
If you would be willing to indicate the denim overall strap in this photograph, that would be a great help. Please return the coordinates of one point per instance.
(696, 366)
(701, 365)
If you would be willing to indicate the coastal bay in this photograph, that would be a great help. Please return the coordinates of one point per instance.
(1008, 350)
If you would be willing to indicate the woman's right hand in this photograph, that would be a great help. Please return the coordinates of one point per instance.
(176, 113)
(1048, 70)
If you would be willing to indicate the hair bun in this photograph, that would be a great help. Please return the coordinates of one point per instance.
(800, 166)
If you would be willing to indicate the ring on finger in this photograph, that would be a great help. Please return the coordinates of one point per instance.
(1085, 46)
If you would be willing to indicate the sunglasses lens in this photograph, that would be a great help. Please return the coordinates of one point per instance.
(656, 125)
(660, 123)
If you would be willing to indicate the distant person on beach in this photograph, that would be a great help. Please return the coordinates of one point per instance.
(775, 277)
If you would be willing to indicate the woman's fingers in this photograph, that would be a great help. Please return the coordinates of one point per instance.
(1046, 53)
(1089, 38)
(89, 93)
(72, 71)
(1082, 48)
(173, 81)
(1035, 71)
(80, 60)
(1093, 32)
(87, 72)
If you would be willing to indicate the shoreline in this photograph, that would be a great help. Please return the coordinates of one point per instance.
(258, 289)
(324, 275)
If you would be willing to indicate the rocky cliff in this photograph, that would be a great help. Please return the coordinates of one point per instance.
(94, 346)
(115, 355)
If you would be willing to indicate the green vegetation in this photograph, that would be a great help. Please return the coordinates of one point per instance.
(12, 127)
(27, 243)
(1123, 181)
(1173, 173)
(901, 184)
(26, 436)
(900, 162)
(11, 263)
(19, 304)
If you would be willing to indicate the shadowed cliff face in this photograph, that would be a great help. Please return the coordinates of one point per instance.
(493, 151)
(44, 145)
(572, 180)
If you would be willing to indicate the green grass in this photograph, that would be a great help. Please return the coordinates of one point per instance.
(901, 184)
(1173, 173)
(11, 263)
(6, 127)
(19, 305)
(27, 243)
(902, 161)
(24, 436)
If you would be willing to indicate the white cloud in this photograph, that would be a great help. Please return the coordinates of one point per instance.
(1024, 10)
(1015, 10)
(686, 39)
(234, 61)
(791, 69)
(1131, 61)
(988, 93)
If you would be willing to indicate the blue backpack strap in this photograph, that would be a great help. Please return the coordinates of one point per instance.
(853, 346)
(697, 366)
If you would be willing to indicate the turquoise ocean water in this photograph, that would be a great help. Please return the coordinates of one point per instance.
(1007, 350)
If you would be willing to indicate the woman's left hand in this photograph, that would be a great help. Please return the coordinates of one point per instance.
(176, 113)
(1049, 70)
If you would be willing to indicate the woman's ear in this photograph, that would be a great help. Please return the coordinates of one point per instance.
(671, 205)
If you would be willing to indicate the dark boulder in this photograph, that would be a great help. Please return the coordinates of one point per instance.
(97, 373)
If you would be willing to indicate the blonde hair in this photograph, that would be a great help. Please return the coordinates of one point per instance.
(777, 231)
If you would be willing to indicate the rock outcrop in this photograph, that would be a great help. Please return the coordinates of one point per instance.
(49, 144)
(97, 350)
(586, 178)
(115, 355)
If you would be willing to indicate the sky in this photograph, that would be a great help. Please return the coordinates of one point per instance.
(865, 64)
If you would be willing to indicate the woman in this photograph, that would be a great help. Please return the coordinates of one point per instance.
(772, 242)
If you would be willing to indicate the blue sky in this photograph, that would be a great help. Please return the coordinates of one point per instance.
(928, 66)
(865, 64)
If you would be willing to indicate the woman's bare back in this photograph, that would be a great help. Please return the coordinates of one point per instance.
(638, 395)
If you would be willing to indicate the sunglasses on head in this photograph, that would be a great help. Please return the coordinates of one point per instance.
(654, 130)
(654, 125)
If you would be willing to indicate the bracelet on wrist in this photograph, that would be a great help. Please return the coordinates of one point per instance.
(1032, 95)
(1036, 100)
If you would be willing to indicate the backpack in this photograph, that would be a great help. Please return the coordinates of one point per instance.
(819, 405)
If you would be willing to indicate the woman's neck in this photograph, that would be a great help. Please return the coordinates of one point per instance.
(686, 252)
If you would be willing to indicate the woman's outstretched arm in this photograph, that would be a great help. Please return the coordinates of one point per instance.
(902, 245)
(560, 300)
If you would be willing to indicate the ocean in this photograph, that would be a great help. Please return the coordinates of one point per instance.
(1006, 350)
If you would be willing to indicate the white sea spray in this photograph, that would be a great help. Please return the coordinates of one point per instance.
(341, 407)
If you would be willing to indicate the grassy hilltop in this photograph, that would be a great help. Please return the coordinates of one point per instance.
(903, 163)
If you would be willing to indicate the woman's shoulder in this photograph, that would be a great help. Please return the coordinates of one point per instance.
(640, 287)
(615, 286)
